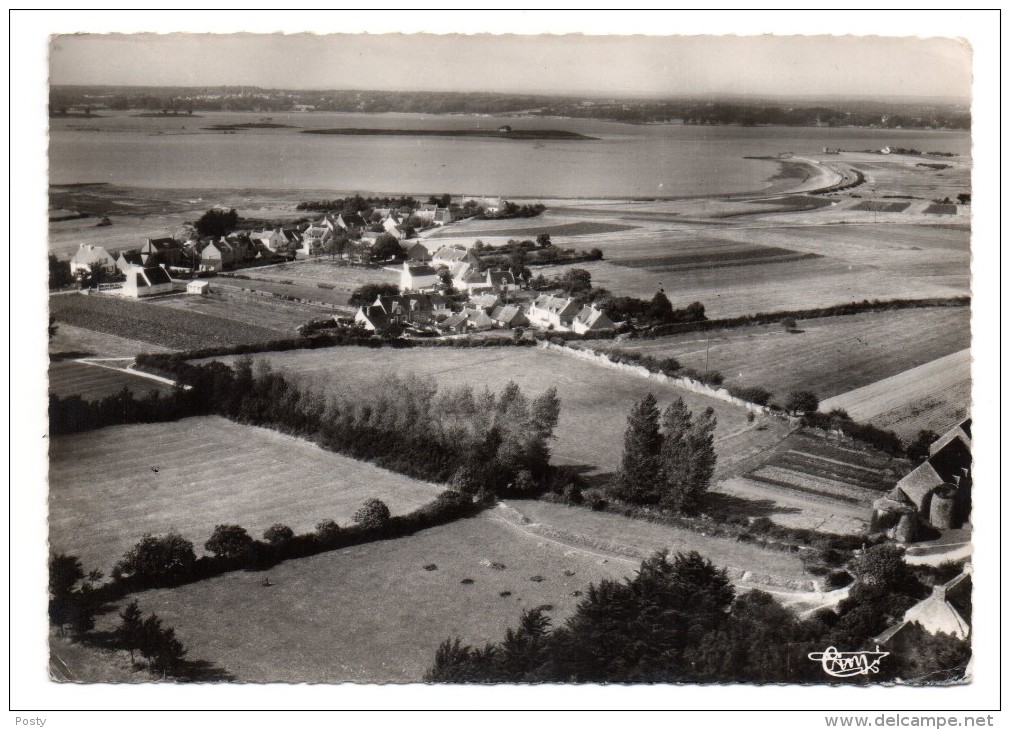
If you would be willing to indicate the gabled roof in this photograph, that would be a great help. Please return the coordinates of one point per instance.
(163, 243)
(952, 459)
(507, 313)
(920, 483)
(374, 315)
(131, 257)
(88, 254)
(484, 301)
(450, 253)
(556, 305)
(454, 320)
(148, 276)
(593, 317)
(419, 270)
(501, 276)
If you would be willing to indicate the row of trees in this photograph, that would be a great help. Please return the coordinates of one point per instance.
(477, 440)
(668, 458)
(681, 620)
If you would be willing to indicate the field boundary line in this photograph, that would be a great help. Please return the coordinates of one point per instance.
(641, 371)
(129, 369)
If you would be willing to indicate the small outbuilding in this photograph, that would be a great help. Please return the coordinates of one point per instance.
(198, 286)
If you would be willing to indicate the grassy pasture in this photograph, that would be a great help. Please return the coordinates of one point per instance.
(828, 356)
(595, 400)
(372, 613)
(935, 396)
(104, 492)
(149, 322)
(94, 382)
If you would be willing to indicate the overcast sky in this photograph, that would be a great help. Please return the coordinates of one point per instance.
(589, 65)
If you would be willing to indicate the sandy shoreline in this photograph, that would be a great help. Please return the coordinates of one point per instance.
(187, 199)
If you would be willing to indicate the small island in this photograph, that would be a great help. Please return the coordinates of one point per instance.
(247, 125)
(524, 134)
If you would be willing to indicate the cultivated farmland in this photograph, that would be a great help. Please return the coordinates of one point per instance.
(595, 400)
(302, 279)
(108, 487)
(149, 322)
(828, 356)
(251, 309)
(94, 381)
(934, 396)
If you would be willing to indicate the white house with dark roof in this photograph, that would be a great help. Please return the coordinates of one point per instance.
(591, 319)
(87, 255)
(146, 281)
(448, 256)
(418, 277)
(550, 312)
(509, 315)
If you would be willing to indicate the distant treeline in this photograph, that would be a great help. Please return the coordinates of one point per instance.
(881, 114)
(357, 203)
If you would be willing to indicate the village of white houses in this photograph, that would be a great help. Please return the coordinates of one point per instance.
(451, 381)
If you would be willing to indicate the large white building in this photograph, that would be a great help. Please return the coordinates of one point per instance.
(417, 277)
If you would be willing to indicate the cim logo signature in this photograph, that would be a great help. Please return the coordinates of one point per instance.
(848, 663)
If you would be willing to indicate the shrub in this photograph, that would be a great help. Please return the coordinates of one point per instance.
(327, 531)
(157, 558)
(229, 541)
(278, 534)
(373, 514)
(838, 579)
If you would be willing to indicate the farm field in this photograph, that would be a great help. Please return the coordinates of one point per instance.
(740, 290)
(251, 309)
(828, 355)
(595, 400)
(94, 382)
(71, 341)
(302, 279)
(640, 538)
(372, 613)
(529, 229)
(148, 322)
(934, 396)
(109, 487)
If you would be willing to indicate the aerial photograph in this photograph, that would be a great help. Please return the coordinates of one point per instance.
(473, 359)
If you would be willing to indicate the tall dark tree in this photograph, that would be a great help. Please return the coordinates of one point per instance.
(130, 632)
(640, 475)
(676, 455)
(660, 308)
(801, 401)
